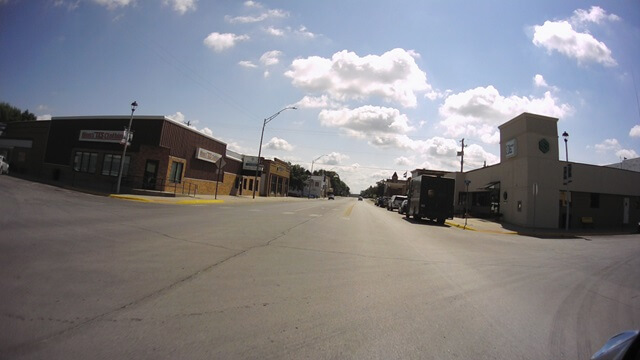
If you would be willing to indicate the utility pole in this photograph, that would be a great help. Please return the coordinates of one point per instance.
(461, 154)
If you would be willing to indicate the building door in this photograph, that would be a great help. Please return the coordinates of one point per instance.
(150, 175)
(625, 215)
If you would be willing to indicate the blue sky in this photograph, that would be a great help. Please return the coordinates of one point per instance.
(380, 86)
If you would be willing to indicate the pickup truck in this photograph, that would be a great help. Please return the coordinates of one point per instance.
(4, 165)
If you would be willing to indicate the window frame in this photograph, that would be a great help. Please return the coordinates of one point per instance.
(85, 162)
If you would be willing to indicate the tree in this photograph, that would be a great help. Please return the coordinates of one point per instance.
(374, 190)
(10, 113)
(298, 177)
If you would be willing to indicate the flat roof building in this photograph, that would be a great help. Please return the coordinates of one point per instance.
(528, 186)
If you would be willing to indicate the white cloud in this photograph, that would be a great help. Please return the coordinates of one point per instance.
(394, 76)
(333, 158)
(269, 14)
(313, 102)
(437, 94)
(273, 31)
(44, 117)
(403, 161)
(206, 131)
(266, 74)
(270, 57)
(595, 15)
(635, 131)
(278, 144)
(582, 46)
(182, 6)
(614, 146)
(302, 31)
(177, 117)
(114, 4)
(539, 81)
(626, 154)
(247, 64)
(366, 120)
(287, 31)
(252, 4)
(220, 42)
(478, 112)
(70, 5)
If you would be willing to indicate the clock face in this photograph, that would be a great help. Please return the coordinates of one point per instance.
(544, 146)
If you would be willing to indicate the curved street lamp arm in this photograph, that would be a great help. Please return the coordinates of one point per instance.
(267, 120)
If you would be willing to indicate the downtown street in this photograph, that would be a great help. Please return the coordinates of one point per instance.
(92, 277)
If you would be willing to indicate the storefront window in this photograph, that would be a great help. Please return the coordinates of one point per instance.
(111, 165)
(85, 162)
(176, 172)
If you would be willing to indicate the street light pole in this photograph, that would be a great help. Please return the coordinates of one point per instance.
(126, 138)
(311, 180)
(264, 123)
(565, 135)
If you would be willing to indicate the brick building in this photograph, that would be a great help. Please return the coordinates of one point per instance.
(85, 152)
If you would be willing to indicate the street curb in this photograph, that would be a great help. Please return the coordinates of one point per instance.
(482, 231)
(126, 197)
(460, 226)
(179, 202)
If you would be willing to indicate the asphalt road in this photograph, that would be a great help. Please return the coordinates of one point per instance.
(91, 277)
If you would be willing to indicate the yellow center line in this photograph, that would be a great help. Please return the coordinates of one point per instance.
(347, 212)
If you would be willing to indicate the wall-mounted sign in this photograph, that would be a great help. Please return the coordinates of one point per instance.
(207, 155)
(249, 162)
(108, 136)
(511, 148)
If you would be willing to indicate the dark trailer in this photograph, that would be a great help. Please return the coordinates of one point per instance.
(431, 197)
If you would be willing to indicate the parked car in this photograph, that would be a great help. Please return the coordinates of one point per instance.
(403, 207)
(395, 202)
(359, 198)
(4, 165)
(331, 197)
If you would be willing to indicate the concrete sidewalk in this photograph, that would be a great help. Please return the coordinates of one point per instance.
(488, 226)
(206, 199)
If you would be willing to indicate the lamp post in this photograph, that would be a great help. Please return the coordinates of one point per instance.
(565, 135)
(311, 180)
(126, 138)
(264, 123)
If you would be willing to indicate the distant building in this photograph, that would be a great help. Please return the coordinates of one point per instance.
(317, 186)
(394, 186)
(275, 178)
(627, 164)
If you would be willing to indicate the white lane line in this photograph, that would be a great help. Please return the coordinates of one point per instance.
(315, 215)
(288, 213)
